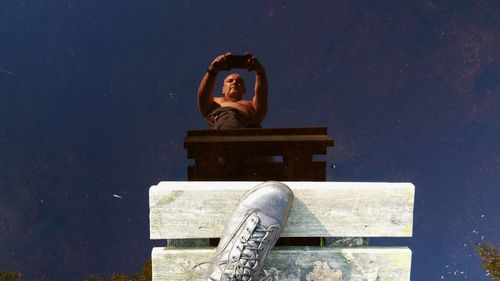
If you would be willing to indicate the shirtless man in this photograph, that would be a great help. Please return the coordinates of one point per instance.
(231, 111)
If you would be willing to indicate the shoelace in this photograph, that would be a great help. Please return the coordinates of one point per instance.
(249, 254)
(249, 258)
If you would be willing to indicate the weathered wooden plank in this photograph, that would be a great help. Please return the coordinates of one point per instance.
(320, 209)
(297, 263)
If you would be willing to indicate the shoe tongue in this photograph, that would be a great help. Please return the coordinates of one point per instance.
(266, 220)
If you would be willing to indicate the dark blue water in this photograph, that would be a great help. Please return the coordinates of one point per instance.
(96, 97)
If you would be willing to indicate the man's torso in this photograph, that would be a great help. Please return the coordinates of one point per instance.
(245, 107)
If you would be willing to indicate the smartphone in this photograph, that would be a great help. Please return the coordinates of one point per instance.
(237, 61)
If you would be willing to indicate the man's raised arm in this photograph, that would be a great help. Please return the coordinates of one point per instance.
(261, 88)
(206, 103)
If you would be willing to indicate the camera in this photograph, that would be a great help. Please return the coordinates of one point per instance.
(238, 61)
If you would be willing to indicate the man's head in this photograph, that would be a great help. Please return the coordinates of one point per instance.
(233, 87)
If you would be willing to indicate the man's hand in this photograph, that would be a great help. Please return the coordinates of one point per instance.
(219, 64)
(253, 64)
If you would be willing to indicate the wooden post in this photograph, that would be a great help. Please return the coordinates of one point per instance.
(250, 154)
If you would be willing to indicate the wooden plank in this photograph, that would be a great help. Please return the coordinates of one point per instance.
(307, 263)
(260, 131)
(264, 145)
(249, 149)
(258, 171)
(260, 141)
(320, 139)
(320, 209)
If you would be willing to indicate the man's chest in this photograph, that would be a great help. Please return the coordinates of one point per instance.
(243, 106)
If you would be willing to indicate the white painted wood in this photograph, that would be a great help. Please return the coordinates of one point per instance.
(320, 209)
(297, 263)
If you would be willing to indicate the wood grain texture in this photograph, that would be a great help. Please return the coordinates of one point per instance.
(296, 264)
(320, 209)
